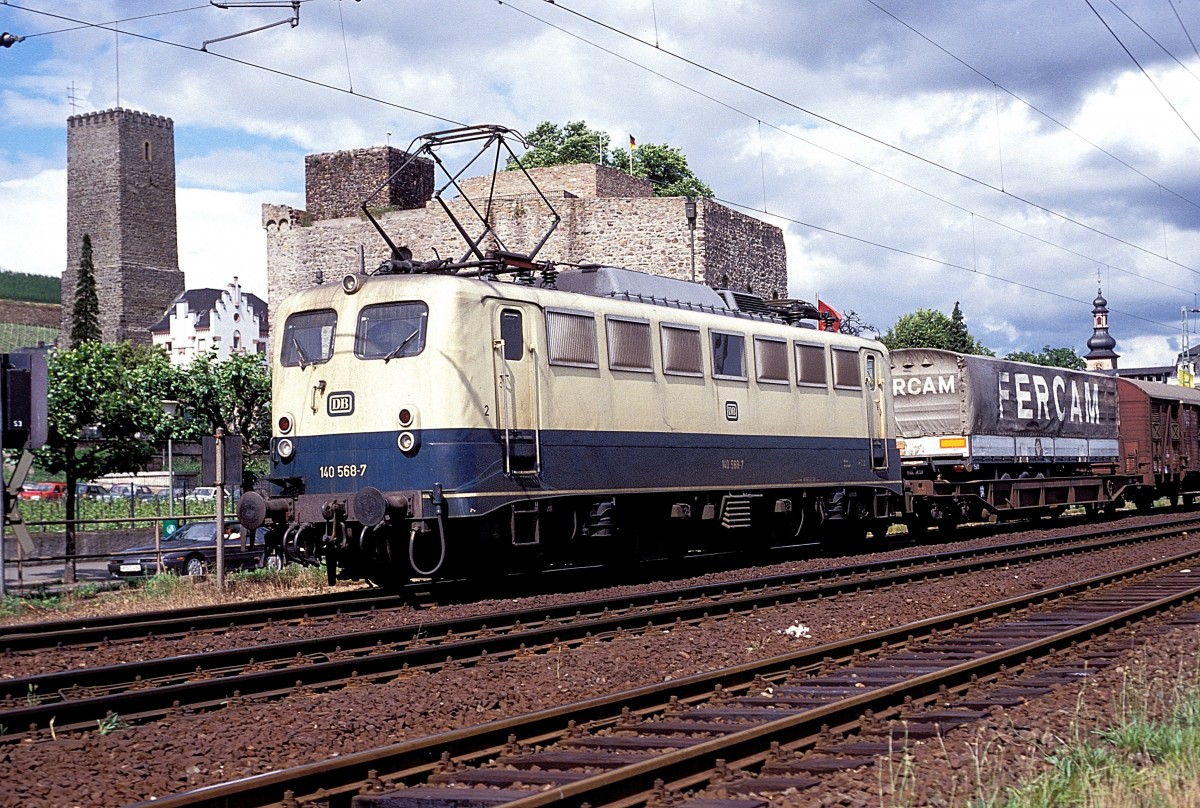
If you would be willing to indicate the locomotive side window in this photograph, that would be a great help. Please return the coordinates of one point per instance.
(571, 338)
(771, 360)
(812, 370)
(681, 350)
(390, 330)
(629, 344)
(845, 369)
(728, 355)
(308, 338)
(512, 334)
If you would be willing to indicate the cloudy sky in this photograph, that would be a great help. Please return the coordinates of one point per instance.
(1001, 153)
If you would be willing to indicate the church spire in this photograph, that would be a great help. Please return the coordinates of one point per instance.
(1100, 355)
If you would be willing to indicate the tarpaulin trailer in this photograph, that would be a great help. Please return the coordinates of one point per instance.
(983, 436)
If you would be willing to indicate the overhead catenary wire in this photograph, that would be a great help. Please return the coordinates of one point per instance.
(1150, 79)
(245, 63)
(435, 116)
(760, 123)
(558, 4)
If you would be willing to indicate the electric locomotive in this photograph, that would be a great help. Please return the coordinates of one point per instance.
(507, 417)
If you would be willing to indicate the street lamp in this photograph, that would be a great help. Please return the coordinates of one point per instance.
(170, 407)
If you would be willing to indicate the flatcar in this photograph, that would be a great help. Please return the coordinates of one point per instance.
(498, 417)
(983, 438)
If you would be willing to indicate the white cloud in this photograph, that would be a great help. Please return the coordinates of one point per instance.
(221, 236)
(33, 229)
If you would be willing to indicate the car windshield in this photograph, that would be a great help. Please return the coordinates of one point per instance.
(196, 531)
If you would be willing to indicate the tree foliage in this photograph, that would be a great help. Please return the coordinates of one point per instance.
(852, 323)
(85, 316)
(1051, 357)
(31, 288)
(667, 169)
(930, 328)
(665, 166)
(104, 412)
(233, 394)
(550, 145)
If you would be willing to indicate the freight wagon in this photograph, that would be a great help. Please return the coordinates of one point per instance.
(982, 437)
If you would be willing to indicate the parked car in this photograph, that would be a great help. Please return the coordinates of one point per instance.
(125, 491)
(207, 493)
(90, 491)
(42, 491)
(192, 550)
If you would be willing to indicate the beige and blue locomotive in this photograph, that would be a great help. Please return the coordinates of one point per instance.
(472, 422)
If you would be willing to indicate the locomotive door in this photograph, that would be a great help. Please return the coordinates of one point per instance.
(517, 405)
(876, 410)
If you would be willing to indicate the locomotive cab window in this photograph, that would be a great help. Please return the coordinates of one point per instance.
(812, 369)
(728, 355)
(771, 360)
(391, 330)
(629, 344)
(571, 338)
(308, 338)
(845, 369)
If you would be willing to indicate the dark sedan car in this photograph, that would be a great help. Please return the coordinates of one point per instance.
(191, 550)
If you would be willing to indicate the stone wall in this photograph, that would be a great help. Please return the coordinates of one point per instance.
(337, 184)
(639, 231)
(121, 192)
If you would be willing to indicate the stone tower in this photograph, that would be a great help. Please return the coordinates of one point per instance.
(1100, 355)
(121, 191)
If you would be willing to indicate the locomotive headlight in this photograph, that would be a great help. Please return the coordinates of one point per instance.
(351, 283)
(407, 442)
(286, 448)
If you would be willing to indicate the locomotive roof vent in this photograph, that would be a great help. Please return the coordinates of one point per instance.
(745, 301)
(622, 283)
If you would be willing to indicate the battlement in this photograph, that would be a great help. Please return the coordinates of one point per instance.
(119, 114)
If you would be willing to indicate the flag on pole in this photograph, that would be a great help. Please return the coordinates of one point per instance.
(632, 143)
(830, 319)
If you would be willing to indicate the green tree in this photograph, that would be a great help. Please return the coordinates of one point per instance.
(1051, 357)
(104, 409)
(930, 328)
(233, 394)
(665, 166)
(574, 143)
(667, 169)
(85, 316)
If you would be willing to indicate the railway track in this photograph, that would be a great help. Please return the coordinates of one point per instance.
(759, 727)
(141, 690)
(100, 630)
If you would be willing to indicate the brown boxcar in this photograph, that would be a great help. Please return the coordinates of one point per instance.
(1160, 437)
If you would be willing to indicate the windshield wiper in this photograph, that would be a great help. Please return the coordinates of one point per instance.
(304, 360)
(396, 351)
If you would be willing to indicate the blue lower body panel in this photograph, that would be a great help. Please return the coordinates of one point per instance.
(471, 468)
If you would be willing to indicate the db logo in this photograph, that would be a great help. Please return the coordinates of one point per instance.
(340, 403)
(731, 411)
